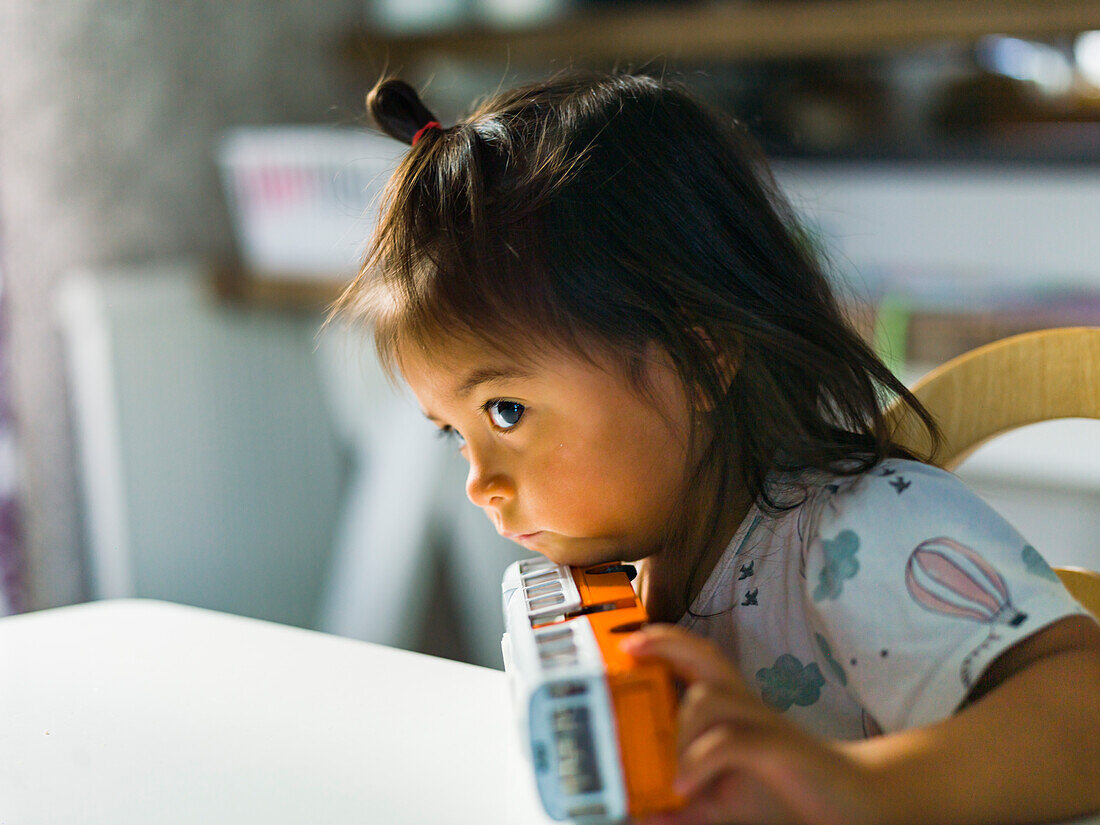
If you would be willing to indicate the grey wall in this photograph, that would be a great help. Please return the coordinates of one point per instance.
(108, 111)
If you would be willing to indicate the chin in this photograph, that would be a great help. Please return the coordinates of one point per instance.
(579, 552)
(555, 554)
(582, 558)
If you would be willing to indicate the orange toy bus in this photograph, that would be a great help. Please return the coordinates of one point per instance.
(598, 725)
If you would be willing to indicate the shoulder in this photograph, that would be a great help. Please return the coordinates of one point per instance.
(894, 479)
(891, 502)
(896, 493)
(903, 511)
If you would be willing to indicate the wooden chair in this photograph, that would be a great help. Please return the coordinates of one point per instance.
(1037, 376)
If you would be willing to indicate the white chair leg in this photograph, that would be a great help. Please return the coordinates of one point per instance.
(377, 589)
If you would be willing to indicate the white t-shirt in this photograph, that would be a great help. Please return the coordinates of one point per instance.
(876, 604)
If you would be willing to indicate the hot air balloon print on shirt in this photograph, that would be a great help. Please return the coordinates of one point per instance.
(947, 577)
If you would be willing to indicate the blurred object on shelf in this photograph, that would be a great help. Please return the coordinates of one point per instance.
(514, 14)
(1015, 93)
(933, 338)
(948, 102)
(304, 199)
(983, 102)
(306, 293)
(928, 322)
(642, 5)
(1047, 66)
(1086, 54)
(404, 17)
(889, 331)
(819, 107)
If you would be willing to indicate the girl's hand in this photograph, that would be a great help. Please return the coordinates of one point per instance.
(740, 761)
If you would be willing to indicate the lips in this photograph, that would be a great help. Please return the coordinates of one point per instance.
(520, 537)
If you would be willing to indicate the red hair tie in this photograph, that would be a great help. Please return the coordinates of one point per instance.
(431, 124)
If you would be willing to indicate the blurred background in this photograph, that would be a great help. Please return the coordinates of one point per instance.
(184, 186)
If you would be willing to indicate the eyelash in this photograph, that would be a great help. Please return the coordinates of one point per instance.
(487, 408)
(449, 433)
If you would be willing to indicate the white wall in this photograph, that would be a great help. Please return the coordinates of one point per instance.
(1009, 223)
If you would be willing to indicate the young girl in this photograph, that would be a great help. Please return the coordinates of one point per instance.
(592, 287)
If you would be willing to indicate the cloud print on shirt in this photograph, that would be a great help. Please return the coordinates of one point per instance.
(840, 564)
(1036, 564)
(789, 682)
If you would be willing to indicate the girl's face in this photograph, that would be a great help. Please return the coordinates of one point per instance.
(566, 457)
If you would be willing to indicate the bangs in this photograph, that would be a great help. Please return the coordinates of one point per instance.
(457, 293)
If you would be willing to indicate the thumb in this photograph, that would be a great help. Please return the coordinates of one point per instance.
(690, 657)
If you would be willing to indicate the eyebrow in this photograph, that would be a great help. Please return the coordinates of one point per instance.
(481, 376)
(487, 374)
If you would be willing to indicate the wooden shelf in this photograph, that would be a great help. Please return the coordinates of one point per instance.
(720, 30)
(305, 292)
(736, 30)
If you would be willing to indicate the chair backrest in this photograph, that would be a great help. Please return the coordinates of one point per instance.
(1083, 585)
(1036, 376)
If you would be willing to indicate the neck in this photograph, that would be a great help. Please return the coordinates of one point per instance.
(669, 582)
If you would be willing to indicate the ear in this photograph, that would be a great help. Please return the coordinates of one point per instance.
(727, 362)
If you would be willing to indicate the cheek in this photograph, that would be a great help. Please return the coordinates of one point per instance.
(649, 466)
(617, 480)
(566, 490)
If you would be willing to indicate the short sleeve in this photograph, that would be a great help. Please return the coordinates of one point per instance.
(915, 585)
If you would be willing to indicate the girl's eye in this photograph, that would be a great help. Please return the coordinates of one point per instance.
(505, 414)
(451, 434)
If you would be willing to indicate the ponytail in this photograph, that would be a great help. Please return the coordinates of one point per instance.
(397, 109)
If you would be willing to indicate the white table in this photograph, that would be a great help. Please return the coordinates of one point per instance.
(133, 711)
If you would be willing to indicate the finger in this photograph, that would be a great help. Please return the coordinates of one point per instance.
(707, 704)
(691, 657)
(755, 769)
(719, 751)
(664, 818)
(731, 803)
(739, 778)
(699, 811)
(695, 812)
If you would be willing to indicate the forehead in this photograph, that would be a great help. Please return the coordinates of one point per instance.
(454, 368)
(447, 354)
(457, 364)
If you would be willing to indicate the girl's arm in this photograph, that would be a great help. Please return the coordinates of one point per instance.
(1025, 749)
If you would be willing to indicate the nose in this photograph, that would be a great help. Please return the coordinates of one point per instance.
(487, 484)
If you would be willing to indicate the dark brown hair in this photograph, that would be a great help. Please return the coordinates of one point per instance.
(616, 210)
